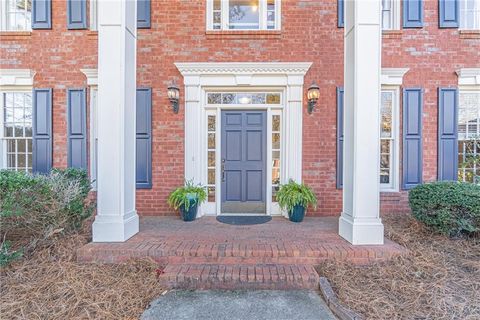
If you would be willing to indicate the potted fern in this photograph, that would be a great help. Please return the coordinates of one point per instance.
(295, 198)
(187, 199)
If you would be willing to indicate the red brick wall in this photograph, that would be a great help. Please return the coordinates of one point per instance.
(309, 33)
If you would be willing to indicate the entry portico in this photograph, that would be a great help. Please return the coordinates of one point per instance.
(117, 220)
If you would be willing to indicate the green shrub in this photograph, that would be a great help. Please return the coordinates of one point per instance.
(451, 208)
(35, 208)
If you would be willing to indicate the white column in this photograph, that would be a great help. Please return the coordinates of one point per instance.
(360, 220)
(116, 219)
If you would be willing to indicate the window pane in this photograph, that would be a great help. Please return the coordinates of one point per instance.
(211, 176)
(275, 123)
(211, 123)
(211, 158)
(386, 114)
(273, 98)
(228, 98)
(276, 141)
(211, 141)
(214, 98)
(243, 14)
(211, 194)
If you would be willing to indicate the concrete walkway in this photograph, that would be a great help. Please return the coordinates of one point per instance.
(232, 305)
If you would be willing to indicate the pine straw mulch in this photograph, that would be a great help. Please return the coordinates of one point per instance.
(52, 285)
(439, 278)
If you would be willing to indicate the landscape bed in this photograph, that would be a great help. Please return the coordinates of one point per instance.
(438, 279)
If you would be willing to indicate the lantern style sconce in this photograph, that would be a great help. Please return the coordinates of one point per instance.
(313, 94)
(173, 95)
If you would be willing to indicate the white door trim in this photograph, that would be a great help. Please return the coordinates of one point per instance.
(200, 77)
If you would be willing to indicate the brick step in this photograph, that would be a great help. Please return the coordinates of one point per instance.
(239, 277)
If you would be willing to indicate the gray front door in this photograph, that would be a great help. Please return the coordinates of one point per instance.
(244, 143)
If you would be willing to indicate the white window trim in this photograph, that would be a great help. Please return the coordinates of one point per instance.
(391, 79)
(468, 77)
(468, 80)
(262, 17)
(394, 184)
(8, 89)
(93, 19)
(395, 16)
(462, 17)
(4, 18)
(92, 82)
(268, 76)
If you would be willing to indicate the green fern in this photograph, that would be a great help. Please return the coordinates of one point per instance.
(187, 195)
(293, 194)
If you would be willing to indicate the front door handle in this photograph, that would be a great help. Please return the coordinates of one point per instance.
(223, 170)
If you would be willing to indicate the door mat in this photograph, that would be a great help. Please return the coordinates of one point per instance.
(243, 220)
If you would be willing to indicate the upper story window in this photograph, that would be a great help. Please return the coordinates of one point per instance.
(16, 15)
(243, 15)
(470, 14)
(390, 14)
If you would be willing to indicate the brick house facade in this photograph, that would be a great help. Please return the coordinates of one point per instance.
(309, 32)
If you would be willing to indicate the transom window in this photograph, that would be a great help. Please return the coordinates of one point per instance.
(243, 98)
(16, 131)
(388, 140)
(470, 14)
(243, 14)
(16, 15)
(469, 136)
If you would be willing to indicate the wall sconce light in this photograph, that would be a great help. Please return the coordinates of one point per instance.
(313, 94)
(173, 95)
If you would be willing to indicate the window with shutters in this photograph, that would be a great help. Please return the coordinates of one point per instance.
(470, 14)
(16, 131)
(390, 14)
(16, 15)
(243, 14)
(389, 140)
(469, 136)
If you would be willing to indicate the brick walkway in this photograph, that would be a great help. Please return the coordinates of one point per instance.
(206, 254)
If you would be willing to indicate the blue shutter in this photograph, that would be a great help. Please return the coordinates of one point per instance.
(340, 102)
(448, 13)
(340, 13)
(447, 134)
(143, 14)
(412, 138)
(42, 130)
(76, 14)
(412, 13)
(41, 14)
(77, 128)
(144, 139)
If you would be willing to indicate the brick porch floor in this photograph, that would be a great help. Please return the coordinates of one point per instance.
(207, 254)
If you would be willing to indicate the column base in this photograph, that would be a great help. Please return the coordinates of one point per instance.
(115, 228)
(363, 231)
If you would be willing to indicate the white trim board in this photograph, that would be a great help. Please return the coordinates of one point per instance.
(468, 76)
(16, 77)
